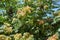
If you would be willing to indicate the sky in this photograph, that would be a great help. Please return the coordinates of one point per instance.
(56, 3)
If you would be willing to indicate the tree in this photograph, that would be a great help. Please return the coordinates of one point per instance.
(28, 19)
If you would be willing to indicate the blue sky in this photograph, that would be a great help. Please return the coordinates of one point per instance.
(56, 3)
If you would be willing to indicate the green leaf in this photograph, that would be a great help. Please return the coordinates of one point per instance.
(17, 24)
(2, 19)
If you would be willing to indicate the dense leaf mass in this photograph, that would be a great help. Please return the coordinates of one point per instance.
(29, 20)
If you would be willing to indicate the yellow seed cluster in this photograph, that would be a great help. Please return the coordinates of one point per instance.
(56, 13)
(27, 9)
(24, 11)
(2, 37)
(46, 6)
(8, 30)
(14, 20)
(7, 24)
(54, 37)
(18, 36)
(8, 38)
(26, 34)
(20, 13)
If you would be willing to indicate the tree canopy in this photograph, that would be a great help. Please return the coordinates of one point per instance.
(29, 19)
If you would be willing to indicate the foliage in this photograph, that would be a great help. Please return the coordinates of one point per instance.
(28, 19)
